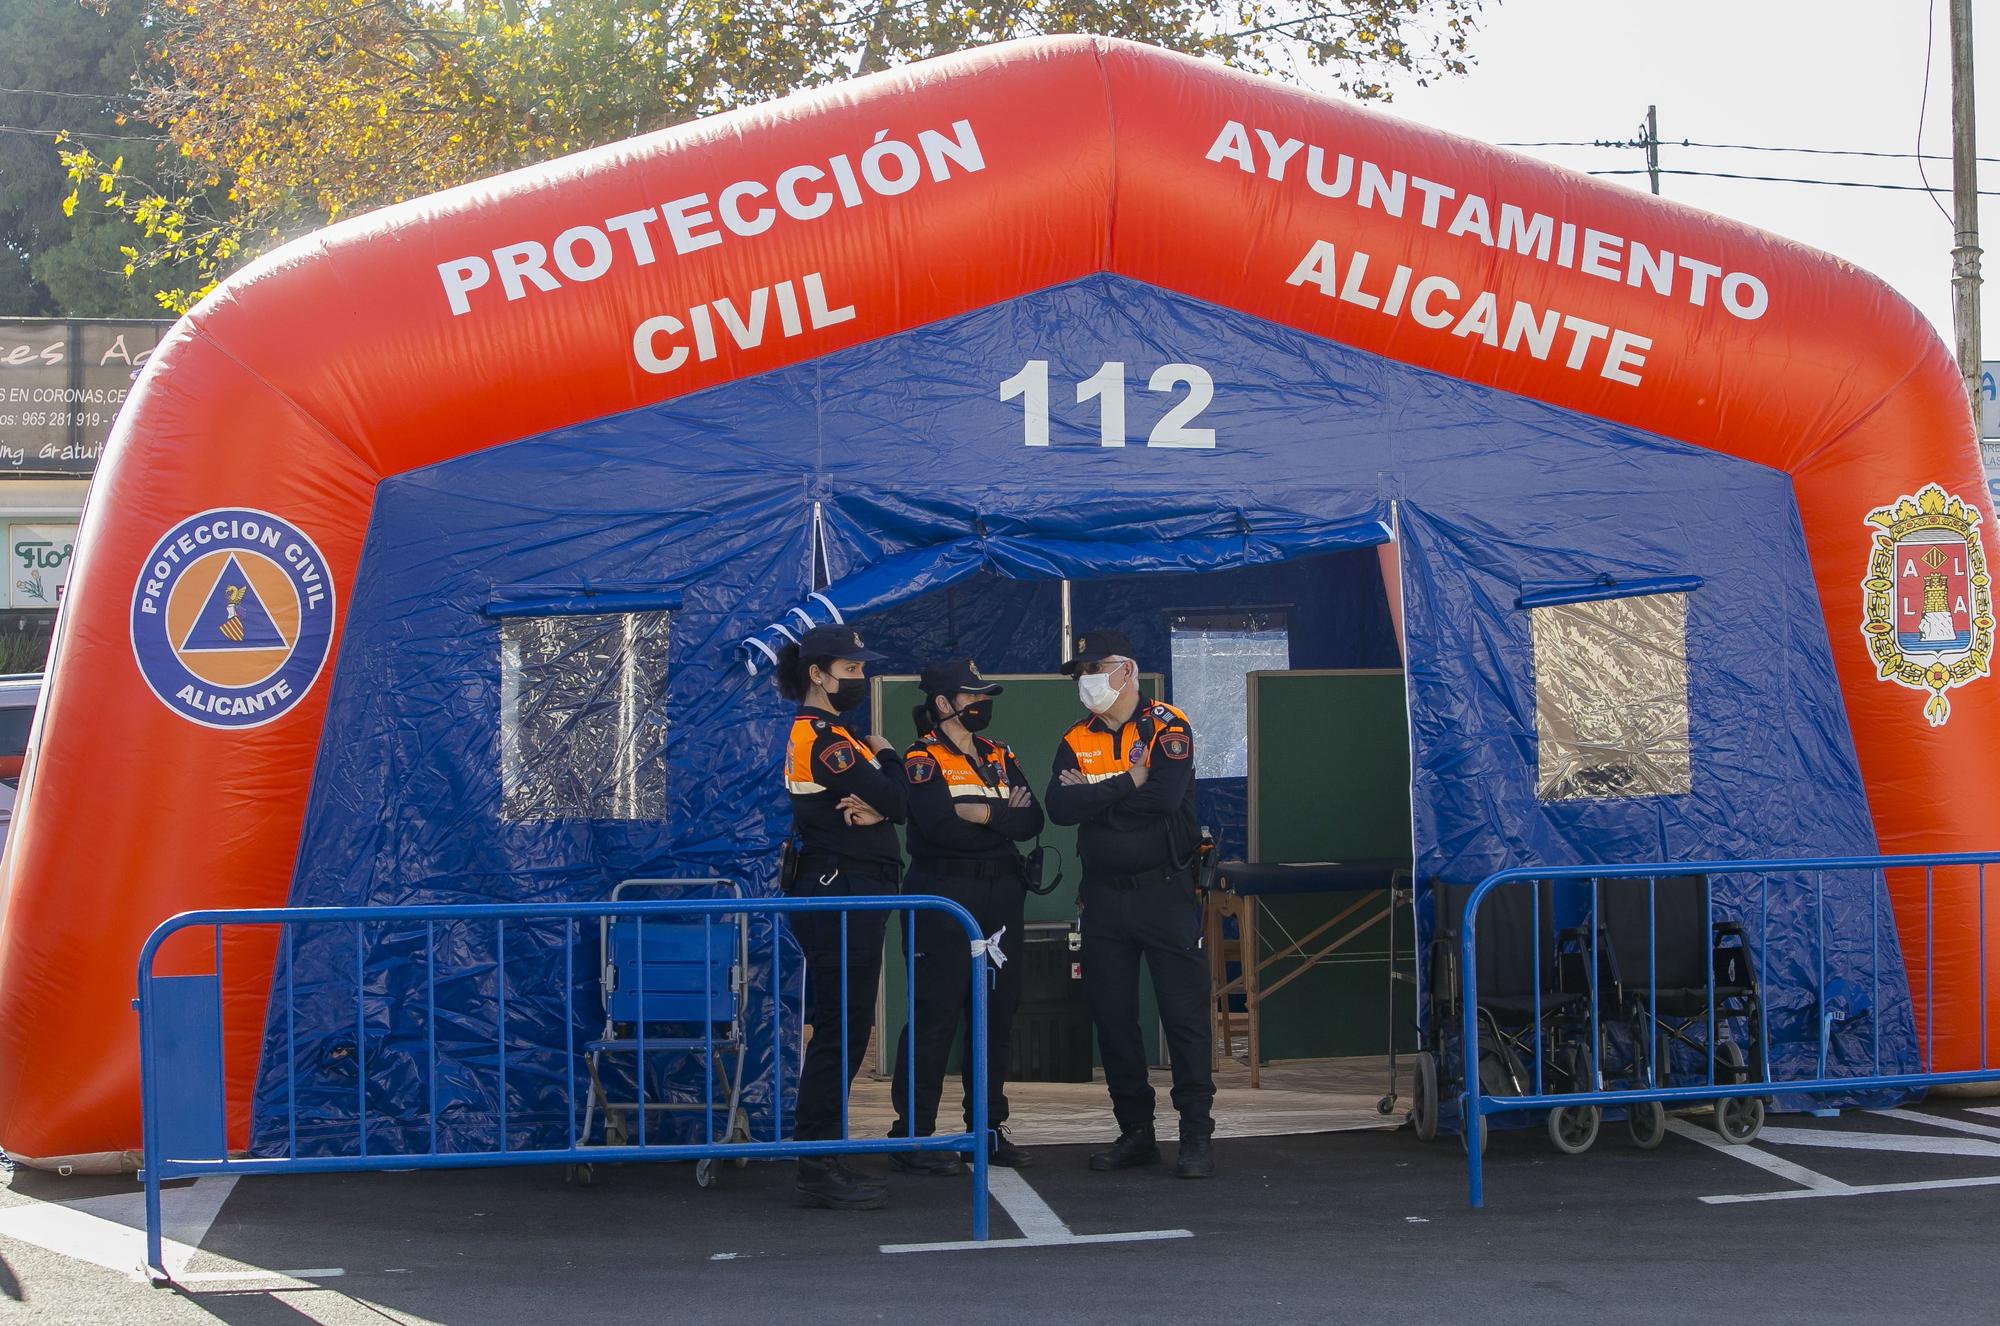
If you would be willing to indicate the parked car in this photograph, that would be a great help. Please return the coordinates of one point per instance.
(18, 694)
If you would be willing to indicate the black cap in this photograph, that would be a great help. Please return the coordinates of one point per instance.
(836, 642)
(1095, 647)
(958, 675)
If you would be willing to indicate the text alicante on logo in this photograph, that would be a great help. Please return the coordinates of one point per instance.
(232, 618)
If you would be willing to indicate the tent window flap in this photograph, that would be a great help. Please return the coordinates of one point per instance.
(583, 716)
(1611, 698)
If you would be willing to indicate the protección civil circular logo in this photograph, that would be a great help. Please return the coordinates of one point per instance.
(232, 618)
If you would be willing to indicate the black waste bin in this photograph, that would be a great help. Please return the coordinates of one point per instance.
(1051, 1040)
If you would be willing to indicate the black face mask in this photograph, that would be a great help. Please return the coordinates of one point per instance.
(975, 716)
(847, 693)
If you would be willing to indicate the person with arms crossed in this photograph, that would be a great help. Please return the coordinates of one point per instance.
(1124, 775)
(969, 805)
(848, 793)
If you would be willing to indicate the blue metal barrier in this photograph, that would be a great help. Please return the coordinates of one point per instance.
(183, 1091)
(1477, 1104)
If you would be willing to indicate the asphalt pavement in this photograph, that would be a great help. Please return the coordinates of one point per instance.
(1349, 1227)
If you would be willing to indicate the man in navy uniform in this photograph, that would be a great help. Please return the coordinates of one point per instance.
(1124, 775)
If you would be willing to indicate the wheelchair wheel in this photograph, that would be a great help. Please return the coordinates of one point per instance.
(1738, 1119)
(1424, 1102)
(1573, 1128)
(704, 1173)
(1646, 1124)
(582, 1176)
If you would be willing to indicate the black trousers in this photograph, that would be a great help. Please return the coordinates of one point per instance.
(824, 1078)
(1162, 922)
(943, 996)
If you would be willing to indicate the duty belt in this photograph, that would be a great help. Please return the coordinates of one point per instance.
(1144, 879)
(881, 872)
(968, 867)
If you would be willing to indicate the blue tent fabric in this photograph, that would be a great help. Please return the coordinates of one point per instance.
(904, 457)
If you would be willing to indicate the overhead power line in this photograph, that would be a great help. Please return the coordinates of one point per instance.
(1629, 143)
(77, 96)
(1793, 179)
(73, 133)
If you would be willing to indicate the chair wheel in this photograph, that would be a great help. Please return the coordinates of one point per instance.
(1424, 1101)
(1386, 1105)
(583, 1176)
(1573, 1128)
(704, 1174)
(1738, 1119)
(1464, 1132)
(1646, 1124)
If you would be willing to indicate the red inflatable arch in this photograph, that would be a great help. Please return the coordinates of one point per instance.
(504, 309)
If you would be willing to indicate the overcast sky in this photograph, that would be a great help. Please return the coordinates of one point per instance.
(1792, 73)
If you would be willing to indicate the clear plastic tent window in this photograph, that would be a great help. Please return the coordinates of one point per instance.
(1211, 663)
(1611, 698)
(583, 717)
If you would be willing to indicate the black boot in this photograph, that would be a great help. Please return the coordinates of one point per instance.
(1197, 1157)
(1005, 1154)
(1134, 1147)
(824, 1182)
(938, 1164)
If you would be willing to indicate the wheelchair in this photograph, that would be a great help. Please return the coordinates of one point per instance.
(1530, 995)
(1687, 987)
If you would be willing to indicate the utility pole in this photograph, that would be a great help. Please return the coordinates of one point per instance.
(1965, 205)
(1653, 145)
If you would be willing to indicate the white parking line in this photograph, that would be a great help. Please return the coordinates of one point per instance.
(1040, 1226)
(294, 1279)
(110, 1231)
(1813, 1180)
(1904, 1142)
(1819, 1185)
(1857, 1190)
(1025, 1207)
(1941, 1121)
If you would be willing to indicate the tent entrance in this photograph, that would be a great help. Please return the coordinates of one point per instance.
(1291, 673)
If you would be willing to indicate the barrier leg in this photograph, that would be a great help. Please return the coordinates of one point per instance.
(156, 1266)
(981, 1143)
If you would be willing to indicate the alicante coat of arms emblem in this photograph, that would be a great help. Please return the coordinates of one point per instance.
(1929, 620)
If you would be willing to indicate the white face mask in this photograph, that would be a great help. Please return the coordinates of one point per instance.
(1096, 692)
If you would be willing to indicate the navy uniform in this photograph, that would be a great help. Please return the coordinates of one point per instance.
(1138, 848)
(826, 761)
(978, 866)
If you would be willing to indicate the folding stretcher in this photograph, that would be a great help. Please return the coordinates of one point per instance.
(1378, 885)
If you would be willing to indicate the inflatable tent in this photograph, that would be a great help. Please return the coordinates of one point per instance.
(1064, 309)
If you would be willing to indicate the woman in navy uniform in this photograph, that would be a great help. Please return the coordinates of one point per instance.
(847, 796)
(969, 806)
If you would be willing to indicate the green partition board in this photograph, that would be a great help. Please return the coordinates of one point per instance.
(1330, 781)
(1030, 717)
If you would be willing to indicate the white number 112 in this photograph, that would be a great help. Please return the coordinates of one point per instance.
(1107, 387)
